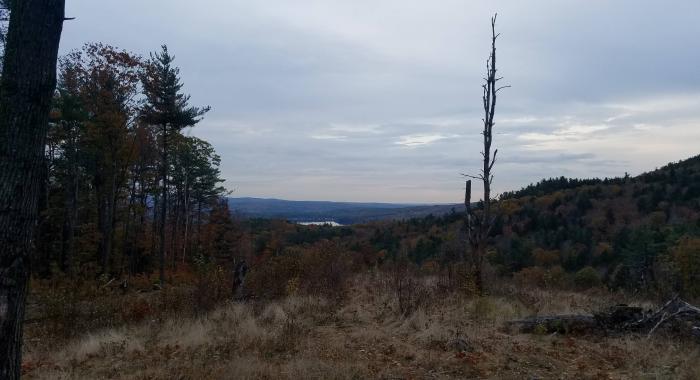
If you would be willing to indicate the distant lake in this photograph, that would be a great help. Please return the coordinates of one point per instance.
(330, 223)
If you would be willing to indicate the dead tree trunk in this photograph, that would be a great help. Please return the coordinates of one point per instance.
(26, 89)
(479, 225)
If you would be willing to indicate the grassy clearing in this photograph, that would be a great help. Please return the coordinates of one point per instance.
(364, 335)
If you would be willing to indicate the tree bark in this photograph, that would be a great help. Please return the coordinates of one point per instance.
(164, 204)
(198, 241)
(175, 231)
(105, 188)
(70, 218)
(26, 90)
(187, 220)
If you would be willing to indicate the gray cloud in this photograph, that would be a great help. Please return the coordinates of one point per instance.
(380, 101)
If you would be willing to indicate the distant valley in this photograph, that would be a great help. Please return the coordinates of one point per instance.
(338, 212)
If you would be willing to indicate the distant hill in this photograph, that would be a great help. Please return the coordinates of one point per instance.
(635, 197)
(339, 212)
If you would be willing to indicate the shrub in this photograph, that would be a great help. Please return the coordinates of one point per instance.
(410, 292)
(320, 269)
(137, 311)
(545, 258)
(458, 277)
(269, 278)
(587, 278)
(483, 309)
(554, 277)
(213, 284)
(530, 277)
(324, 269)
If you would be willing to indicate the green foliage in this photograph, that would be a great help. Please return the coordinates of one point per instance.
(587, 278)
(165, 105)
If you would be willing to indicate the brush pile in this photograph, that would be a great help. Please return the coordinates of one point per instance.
(675, 317)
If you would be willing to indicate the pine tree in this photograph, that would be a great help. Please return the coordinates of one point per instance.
(167, 109)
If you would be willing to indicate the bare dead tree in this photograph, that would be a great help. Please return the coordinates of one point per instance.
(479, 225)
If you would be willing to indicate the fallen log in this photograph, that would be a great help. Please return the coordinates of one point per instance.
(675, 317)
(563, 324)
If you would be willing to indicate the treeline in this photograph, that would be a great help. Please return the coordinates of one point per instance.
(126, 190)
(551, 185)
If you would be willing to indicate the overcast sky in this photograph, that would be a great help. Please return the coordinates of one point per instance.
(379, 100)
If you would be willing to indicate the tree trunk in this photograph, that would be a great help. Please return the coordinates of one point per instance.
(199, 227)
(70, 220)
(164, 204)
(105, 212)
(28, 82)
(174, 237)
(141, 230)
(127, 241)
(479, 226)
(187, 222)
(155, 227)
(112, 221)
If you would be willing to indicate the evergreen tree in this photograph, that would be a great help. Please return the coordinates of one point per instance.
(167, 109)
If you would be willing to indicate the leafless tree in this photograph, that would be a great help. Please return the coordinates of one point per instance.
(479, 224)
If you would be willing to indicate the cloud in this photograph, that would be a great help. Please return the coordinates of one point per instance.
(418, 140)
(381, 101)
(328, 137)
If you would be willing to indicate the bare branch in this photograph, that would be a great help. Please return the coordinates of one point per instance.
(502, 87)
(479, 177)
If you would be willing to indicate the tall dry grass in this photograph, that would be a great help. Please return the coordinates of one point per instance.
(366, 334)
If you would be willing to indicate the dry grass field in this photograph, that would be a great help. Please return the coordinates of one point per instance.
(364, 335)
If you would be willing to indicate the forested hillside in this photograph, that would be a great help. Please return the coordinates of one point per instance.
(639, 233)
